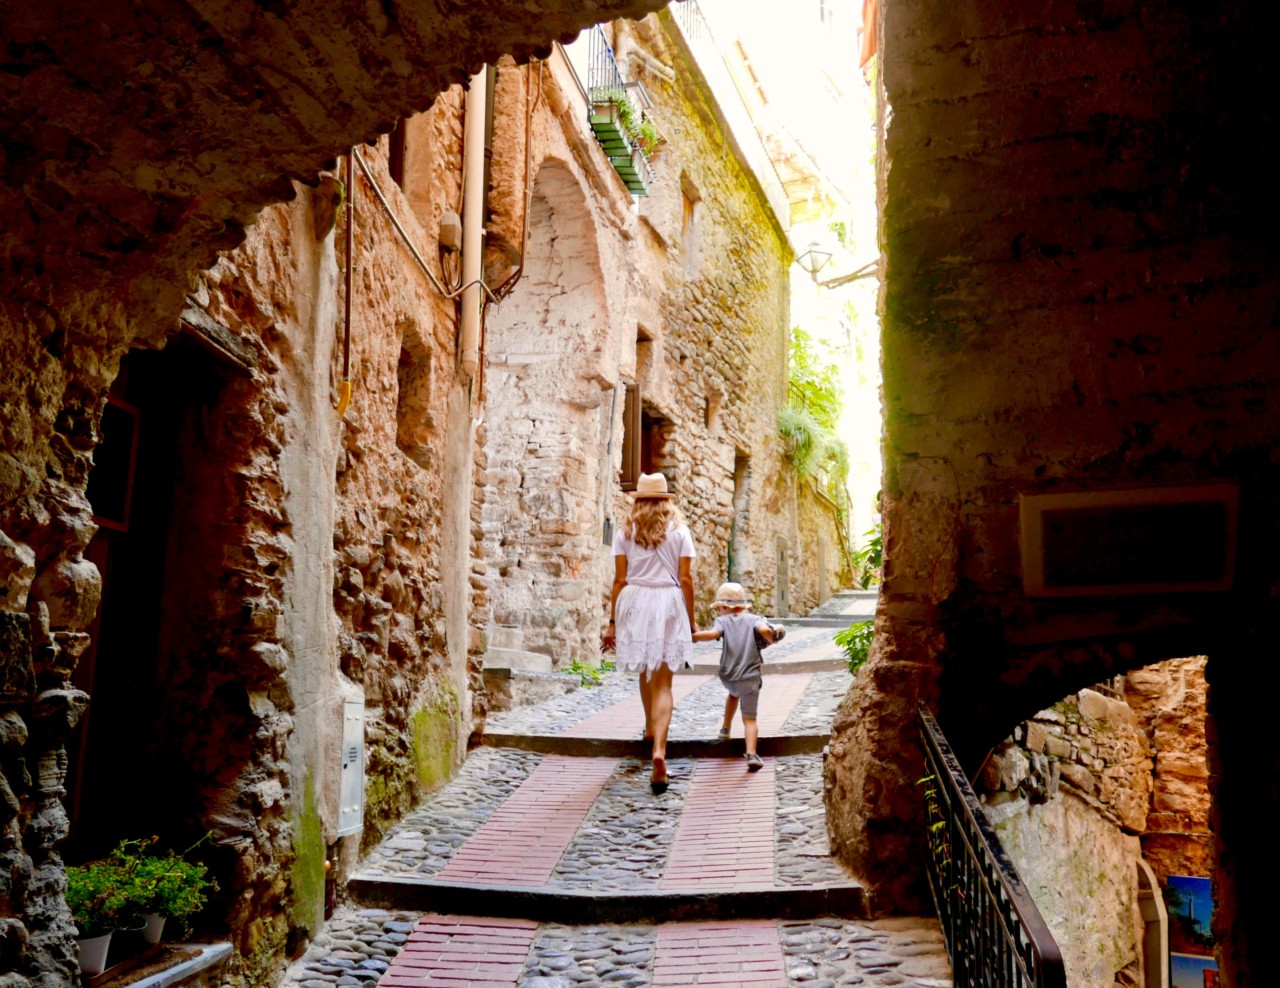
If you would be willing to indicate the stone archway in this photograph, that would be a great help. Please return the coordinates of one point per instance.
(137, 146)
(549, 411)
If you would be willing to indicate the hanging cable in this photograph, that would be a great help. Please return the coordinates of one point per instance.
(395, 221)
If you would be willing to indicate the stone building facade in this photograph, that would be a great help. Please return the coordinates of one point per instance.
(279, 494)
(1078, 297)
(1098, 800)
(1078, 293)
(645, 334)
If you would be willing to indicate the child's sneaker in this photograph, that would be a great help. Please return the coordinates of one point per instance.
(722, 734)
(754, 762)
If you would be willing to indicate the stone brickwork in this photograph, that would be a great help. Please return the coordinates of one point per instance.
(161, 138)
(683, 297)
(1078, 294)
(1068, 796)
(1170, 700)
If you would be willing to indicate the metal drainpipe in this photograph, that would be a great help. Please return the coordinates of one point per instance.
(473, 169)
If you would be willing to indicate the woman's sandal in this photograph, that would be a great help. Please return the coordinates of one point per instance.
(659, 785)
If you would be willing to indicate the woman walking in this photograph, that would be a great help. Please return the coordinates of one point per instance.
(651, 621)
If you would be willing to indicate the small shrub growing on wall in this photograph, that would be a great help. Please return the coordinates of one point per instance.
(856, 642)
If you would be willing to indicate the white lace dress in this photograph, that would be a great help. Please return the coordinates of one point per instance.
(652, 623)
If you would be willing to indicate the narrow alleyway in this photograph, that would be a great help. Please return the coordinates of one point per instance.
(547, 862)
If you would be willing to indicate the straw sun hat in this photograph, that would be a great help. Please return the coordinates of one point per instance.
(731, 595)
(651, 485)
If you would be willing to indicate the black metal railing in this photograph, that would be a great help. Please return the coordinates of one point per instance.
(993, 930)
(605, 82)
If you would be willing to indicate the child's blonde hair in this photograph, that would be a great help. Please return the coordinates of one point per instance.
(650, 520)
(730, 597)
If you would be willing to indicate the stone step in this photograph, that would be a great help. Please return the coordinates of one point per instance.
(515, 658)
(572, 907)
(769, 746)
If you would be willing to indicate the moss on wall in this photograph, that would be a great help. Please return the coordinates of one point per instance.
(307, 872)
(435, 740)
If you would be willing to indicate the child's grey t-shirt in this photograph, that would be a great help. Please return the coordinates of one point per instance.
(739, 654)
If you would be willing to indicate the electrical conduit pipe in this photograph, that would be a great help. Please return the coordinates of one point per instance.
(473, 220)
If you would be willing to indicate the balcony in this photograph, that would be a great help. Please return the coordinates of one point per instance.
(617, 117)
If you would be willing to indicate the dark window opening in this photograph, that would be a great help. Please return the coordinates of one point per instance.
(399, 150)
(415, 426)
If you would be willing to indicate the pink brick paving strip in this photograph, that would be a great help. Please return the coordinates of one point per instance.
(462, 952)
(725, 839)
(626, 718)
(730, 953)
(825, 649)
(778, 697)
(525, 837)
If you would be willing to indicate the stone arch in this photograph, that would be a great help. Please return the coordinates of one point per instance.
(549, 412)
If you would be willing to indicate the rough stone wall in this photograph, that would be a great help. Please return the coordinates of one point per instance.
(314, 564)
(160, 137)
(1067, 794)
(1078, 293)
(1170, 699)
(614, 293)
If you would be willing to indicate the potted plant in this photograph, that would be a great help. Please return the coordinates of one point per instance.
(96, 896)
(170, 886)
(159, 886)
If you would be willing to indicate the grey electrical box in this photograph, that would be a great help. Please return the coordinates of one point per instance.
(451, 231)
(351, 783)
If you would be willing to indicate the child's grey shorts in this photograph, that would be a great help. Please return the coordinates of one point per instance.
(748, 693)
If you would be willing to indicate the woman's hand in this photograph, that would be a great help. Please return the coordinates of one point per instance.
(609, 642)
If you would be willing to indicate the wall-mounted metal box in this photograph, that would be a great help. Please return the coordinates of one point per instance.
(351, 783)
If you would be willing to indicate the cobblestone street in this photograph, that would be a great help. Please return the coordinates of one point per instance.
(555, 867)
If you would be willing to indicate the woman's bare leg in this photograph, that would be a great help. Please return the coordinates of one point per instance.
(646, 701)
(660, 717)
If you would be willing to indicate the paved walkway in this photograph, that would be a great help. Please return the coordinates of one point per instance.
(544, 864)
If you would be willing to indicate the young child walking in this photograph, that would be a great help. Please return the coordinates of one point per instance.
(741, 635)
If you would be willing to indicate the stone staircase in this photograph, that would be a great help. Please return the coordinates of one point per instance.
(548, 863)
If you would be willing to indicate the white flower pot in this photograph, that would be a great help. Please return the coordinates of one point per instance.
(93, 954)
(155, 927)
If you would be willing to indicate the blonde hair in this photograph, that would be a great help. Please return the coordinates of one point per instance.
(650, 520)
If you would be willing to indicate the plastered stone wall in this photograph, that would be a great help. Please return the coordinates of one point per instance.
(1078, 293)
(138, 146)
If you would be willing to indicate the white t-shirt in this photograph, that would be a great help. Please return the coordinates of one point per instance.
(658, 567)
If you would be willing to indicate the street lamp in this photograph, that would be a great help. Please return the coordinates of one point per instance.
(813, 260)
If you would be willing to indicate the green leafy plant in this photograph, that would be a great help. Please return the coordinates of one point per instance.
(936, 834)
(809, 421)
(640, 130)
(96, 896)
(856, 642)
(136, 879)
(168, 883)
(588, 675)
(868, 560)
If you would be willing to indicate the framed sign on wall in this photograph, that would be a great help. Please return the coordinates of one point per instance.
(1133, 540)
